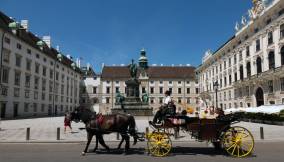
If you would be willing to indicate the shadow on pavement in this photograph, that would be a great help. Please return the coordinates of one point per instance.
(176, 151)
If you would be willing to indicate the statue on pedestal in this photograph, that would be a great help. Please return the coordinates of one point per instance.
(132, 69)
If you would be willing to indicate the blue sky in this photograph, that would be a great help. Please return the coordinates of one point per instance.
(114, 31)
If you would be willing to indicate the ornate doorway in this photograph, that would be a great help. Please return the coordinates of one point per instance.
(259, 97)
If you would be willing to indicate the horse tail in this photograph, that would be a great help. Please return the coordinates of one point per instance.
(132, 131)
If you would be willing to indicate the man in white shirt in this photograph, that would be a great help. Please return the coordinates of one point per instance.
(167, 100)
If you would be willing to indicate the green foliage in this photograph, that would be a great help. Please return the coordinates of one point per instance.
(264, 117)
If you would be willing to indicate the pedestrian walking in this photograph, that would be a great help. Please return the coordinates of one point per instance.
(67, 122)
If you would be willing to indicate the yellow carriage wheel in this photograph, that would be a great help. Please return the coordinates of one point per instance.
(238, 141)
(159, 144)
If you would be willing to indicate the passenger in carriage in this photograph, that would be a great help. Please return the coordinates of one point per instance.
(168, 107)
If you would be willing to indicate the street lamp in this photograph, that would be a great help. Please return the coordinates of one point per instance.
(216, 85)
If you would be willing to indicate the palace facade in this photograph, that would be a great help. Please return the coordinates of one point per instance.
(155, 80)
(35, 79)
(249, 67)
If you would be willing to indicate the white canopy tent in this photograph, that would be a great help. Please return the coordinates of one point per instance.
(266, 109)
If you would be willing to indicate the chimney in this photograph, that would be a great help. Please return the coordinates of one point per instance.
(47, 40)
(25, 24)
(88, 66)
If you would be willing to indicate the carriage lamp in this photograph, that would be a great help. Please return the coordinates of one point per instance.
(216, 85)
(59, 56)
(40, 44)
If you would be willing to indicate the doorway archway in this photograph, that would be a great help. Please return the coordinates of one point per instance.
(259, 97)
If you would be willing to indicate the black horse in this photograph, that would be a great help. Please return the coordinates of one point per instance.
(121, 123)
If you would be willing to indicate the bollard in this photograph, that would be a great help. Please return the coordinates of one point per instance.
(58, 133)
(117, 136)
(261, 133)
(147, 132)
(28, 134)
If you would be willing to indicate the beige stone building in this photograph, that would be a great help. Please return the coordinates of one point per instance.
(249, 67)
(155, 80)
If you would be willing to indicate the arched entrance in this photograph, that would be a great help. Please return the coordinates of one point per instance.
(259, 97)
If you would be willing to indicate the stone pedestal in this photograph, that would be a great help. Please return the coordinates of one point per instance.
(132, 103)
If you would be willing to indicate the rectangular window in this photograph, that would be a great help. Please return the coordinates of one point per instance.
(170, 82)
(270, 38)
(4, 91)
(281, 31)
(282, 84)
(28, 64)
(43, 84)
(161, 100)
(5, 75)
(36, 83)
(50, 86)
(35, 95)
(94, 90)
(26, 107)
(196, 90)
(152, 90)
(179, 90)
(257, 45)
(19, 46)
(42, 107)
(188, 101)
(16, 92)
(247, 51)
(116, 89)
(236, 77)
(35, 107)
(51, 74)
(44, 71)
(6, 56)
(230, 79)
(29, 51)
(107, 90)
(27, 80)
(17, 78)
(161, 90)
(43, 96)
(57, 76)
(171, 89)
(7, 40)
(270, 86)
(188, 90)
(18, 60)
(107, 100)
(247, 90)
(241, 56)
(143, 89)
(27, 94)
(62, 89)
(179, 100)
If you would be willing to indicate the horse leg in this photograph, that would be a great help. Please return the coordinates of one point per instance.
(89, 137)
(97, 142)
(102, 142)
(122, 139)
(126, 137)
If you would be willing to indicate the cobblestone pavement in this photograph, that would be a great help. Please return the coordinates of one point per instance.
(44, 130)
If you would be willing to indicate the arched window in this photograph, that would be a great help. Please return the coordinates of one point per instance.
(241, 72)
(248, 69)
(282, 55)
(271, 60)
(258, 65)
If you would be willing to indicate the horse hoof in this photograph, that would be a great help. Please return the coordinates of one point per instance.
(83, 153)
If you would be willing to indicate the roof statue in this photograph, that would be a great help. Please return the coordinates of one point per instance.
(257, 9)
(244, 21)
(237, 26)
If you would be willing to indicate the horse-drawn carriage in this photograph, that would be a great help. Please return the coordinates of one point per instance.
(235, 140)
